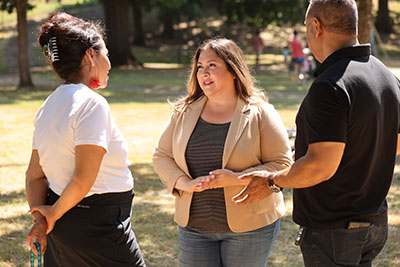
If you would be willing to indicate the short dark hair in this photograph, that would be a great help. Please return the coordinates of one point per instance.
(339, 16)
(74, 36)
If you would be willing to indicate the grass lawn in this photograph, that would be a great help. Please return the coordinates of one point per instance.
(138, 100)
(138, 103)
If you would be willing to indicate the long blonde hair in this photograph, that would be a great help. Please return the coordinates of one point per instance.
(233, 56)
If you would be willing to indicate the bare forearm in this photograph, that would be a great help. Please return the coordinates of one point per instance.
(72, 195)
(36, 192)
(319, 164)
(302, 174)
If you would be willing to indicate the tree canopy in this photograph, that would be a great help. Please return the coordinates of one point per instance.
(260, 13)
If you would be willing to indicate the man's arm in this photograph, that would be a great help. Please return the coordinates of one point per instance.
(318, 165)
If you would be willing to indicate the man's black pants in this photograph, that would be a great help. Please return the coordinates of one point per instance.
(343, 247)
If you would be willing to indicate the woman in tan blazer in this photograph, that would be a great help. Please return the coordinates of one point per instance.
(223, 128)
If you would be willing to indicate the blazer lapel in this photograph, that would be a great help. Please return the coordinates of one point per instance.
(239, 121)
(190, 117)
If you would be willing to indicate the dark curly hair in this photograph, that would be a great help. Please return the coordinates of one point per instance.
(73, 37)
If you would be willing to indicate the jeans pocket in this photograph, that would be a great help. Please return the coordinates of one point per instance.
(348, 244)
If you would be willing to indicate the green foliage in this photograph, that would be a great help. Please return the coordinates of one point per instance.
(177, 9)
(10, 5)
(140, 113)
(259, 13)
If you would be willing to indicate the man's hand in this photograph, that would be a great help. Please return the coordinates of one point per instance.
(257, 189)
(224, 177)
(38, 232)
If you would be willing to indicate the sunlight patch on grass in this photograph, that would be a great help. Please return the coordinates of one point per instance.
(12, 177)
(8, 228)
(140, 113)
(141, 125)
(163, 65)
(10, 210)
(394, 6)
(165, 204)
(264, 59)
(396, 72)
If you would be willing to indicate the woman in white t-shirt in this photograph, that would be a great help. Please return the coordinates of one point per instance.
(78, 183)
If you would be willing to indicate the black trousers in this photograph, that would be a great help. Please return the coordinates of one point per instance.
(343, 247)
(96, 232)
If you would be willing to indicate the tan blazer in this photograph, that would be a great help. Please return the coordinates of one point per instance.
(256, 140)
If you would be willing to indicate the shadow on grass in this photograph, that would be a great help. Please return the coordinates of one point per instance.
(285, 99)
(144, 85)
(145, 178)
(14, 197)
(14, 228)
(117, 94)
(13, 249)
(156, 233)
(152, 221)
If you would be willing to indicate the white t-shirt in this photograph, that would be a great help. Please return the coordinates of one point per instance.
(75, 115)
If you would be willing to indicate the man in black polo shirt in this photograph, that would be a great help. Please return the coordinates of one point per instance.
(347, 133)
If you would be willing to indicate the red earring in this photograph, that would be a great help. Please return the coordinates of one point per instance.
(94, 83)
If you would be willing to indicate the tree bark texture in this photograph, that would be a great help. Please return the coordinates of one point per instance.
(383, 22)
(364, 20)
(168, 31)
(25, 80)
(138, 34)
(118, 32)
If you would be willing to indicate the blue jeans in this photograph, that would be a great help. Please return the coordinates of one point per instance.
(343, 247)
(226, 249)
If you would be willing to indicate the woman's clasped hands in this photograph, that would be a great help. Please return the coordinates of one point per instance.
(49, 214)
(216, 179)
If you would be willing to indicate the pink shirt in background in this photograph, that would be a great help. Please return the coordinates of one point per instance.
(297, 50)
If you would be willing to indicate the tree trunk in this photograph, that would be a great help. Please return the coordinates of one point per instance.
(383, 21)
(138, 35)
(364, 20)
(25, 81)
(118, 32)
(168, 31)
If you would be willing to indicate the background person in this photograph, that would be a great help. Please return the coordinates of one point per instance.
(78, 184)
(347, 132)
(297, 57)
(286, 54)
(226, 127)
(258, 45)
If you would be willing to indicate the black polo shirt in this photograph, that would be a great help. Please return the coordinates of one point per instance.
(354, 100)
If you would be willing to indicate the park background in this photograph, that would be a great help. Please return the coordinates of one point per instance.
(151, 43)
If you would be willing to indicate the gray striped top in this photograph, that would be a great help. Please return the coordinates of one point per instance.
(203, 154)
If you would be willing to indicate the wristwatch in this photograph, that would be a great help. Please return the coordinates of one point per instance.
(272, 186)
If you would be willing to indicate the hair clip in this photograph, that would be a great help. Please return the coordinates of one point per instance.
(52, 50)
